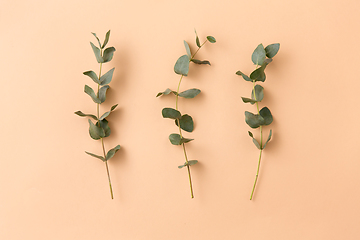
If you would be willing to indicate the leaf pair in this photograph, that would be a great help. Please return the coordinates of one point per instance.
(104, 79)
(100, 130)
(100, 97)
(257, 120)
(109, 154)
(255, 97)
(257, 144)
(186, 121)
(189, 163)
(191, 93)
(260, 53)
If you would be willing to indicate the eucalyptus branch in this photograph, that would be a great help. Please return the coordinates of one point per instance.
(184, 122)
(260, 57)
(101, 129)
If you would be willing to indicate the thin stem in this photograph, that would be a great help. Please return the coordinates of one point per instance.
(261, 142)
(198, 49)
(183, 144)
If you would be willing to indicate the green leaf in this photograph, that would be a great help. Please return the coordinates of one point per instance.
(254, 140)
(93, 76)
(187, 49)
(96, 156)
(266, 114)
(107, 77)
(81, 114)
(112, 152)
(191, 93)
(248, 100)
(272, 49)
(88, 90)
(102, 93)
(270, 134)
(97, 53)
(253, 120)
(192, 162)
(108, 54)
(175, 139)
(182, 65)
(95, 131)
(211, 39)
(200, 62)
(104, 124)
(186, 123)
(107, 36)
(96, 38)
(106, 114)
(197, 40)
(259, 93)
(166, 92)
(181, 166)
(246, 78)
(171, 113)
(258, 55)
(258, 75)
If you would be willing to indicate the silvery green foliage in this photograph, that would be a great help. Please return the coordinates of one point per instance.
(100, 129)
(261, 57)
(184, 121)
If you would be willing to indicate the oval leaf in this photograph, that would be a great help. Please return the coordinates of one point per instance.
(88, 90)
(108, 54)
(254, 140)
(102, 93)
(96, 156)
(272, 49)
(192, 162)
(259, 93)
(211, 39)
(253, 120)
(175, 139)
(81, 114)
(182, 65)
(112, 152)
(191, 93)
(246, 78)
(95, 131)
(186, 123)
(107, 36)
(107, 77)
(105, 115)
(258, 55)
(185, 140)
(197, 40)
(104, 124)
(181, 166)
(166, 92)
(171, 113)
(248, 100)
(187, 49)
(93, 76)
(97, 53)
(258, 75)
(266, 114)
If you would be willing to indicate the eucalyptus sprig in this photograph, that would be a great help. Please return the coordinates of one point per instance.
(184, 121)
(261, 57)
(101, 129)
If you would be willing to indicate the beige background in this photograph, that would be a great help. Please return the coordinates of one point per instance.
(309, 180)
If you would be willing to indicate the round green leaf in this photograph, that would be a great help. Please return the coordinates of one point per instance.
(186, 123)
(272, 49)
(192, 162)
(104, 124)
(253, 120)
(182, 65)
(259, 93)
(191, 93)
(258, 55)
(211, 39)
(175, 139)
(171, 113)
(258, 75)
(95, 131)
(266, 114)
